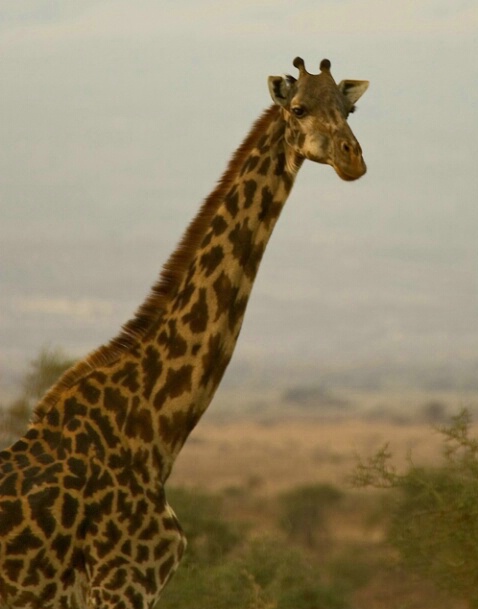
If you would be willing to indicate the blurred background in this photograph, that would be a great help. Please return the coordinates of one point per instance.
(117, 118)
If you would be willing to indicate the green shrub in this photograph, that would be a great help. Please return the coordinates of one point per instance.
(302, 512)
(210, 536)
(286, 578)
(266, 575)
(434, 523)
(223, 569)
(43, 372)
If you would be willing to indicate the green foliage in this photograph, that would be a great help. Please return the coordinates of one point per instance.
(210, 536)
(44, 372)
(225, 570)
(353, 568)
(264, 575)
(434, 524)
(303, 510)
(15, 418)
(286, 578)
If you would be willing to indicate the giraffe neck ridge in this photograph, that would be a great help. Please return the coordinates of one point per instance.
(173, 353)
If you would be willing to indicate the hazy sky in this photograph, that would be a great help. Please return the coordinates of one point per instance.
(117, 117)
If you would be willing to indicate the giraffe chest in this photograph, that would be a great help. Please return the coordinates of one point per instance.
(84, 538)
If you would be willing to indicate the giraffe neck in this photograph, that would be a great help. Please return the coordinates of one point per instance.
(155, 380)
(199, 328)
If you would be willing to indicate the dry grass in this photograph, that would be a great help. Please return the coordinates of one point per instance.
(277, 455)
(251, 462)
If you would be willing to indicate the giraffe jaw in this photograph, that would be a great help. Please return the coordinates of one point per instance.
(350, 177)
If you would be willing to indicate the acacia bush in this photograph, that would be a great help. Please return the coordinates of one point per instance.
(210, 536)
(302, 512)
(43, 372)
(226, 568)
(434, 521)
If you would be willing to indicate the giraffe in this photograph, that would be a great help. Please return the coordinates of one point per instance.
(84, 520)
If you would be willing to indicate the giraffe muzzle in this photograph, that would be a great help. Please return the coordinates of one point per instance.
(350, 164)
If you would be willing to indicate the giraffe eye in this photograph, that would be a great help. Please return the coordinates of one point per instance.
(299, 111)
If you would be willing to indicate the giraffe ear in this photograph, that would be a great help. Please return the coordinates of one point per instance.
(280, 88)
(353, 89)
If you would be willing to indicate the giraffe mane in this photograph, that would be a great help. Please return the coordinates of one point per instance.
(169, 280)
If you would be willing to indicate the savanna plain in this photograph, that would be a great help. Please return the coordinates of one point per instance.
(318, 499)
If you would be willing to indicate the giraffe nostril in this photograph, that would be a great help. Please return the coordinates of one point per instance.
(346, 148)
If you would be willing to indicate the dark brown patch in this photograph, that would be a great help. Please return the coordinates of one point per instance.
(76, 467)
(280, 164)
(112, 535)
(207, 240)
(104, 426)
(214, 362)
(211, 259)
(82, 443)
(263, 143)
(8, 486)
(52, 438)
(287, 179)
(232, 202)
(277, 134)
(184, 296)
(48, 593)
(166, 568)
(218, 225)
(197, 318)
(117, 403)
(252, 265)
(250, 164)
(139, 424)
(161, 548)
(264, 167)
(134, 597)
(23, 542)
(236, 311)
(250, 187)
(146, 578)
(127, 376)
(98, 376)
(172, 340)
(175, 428)
(95, 439)
(142, 553)
(53, 417)
(224, 294)
(126, 548)
(60, 545)
(152, 369)
(69, 511)
(41, 506)
(91, 393)
(73, 483)
(150, 530)
(241, 238)
(270, 209)
(177, 382)
(12, 569)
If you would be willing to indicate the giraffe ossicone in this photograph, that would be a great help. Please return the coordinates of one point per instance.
(84, 521)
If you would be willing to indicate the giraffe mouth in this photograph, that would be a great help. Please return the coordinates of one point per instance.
(352, 175)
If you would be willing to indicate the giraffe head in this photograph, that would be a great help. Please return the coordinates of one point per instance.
(316, 110)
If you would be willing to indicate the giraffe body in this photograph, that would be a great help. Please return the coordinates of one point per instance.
(84, 521)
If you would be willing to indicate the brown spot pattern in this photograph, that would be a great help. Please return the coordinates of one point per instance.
(197, 318)
(81, 495)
